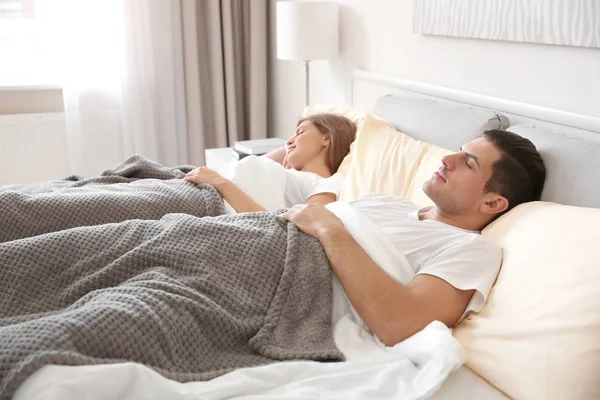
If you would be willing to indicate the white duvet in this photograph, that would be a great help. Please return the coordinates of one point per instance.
(413, 369)
(260, 178)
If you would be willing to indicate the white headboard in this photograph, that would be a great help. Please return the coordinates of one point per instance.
(367, 87)
(569, 143)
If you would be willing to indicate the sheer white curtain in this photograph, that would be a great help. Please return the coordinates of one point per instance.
(121, 65)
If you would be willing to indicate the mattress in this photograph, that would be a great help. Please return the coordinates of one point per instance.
(464, 384)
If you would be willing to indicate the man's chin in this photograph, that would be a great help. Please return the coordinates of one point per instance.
(434, 195)
(428, 190)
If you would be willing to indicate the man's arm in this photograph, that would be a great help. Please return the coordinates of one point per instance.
(391, 310)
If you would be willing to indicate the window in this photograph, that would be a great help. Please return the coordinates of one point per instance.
(17, 9)
(24, 50)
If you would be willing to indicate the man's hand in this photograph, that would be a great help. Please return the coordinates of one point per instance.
(313, 219)
(204, 175)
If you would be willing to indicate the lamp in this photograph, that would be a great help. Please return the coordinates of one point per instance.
(307, 31)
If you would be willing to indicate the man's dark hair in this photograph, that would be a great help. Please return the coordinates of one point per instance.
(520, 172)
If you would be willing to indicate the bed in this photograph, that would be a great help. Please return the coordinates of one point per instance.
(408, 107)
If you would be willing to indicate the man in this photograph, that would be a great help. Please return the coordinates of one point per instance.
(455, 267)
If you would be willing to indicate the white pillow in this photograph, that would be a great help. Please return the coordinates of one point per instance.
(260, 178)
(538, 337)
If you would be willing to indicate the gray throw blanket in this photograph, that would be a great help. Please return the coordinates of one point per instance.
(191, 298)
(135, 189)
(91, 274)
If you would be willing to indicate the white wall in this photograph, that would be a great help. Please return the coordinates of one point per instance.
(376, 35)
(33, 147)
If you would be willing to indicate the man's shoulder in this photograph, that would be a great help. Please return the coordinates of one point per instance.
(475, 243)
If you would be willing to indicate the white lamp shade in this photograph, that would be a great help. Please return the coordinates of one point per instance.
(307, 30)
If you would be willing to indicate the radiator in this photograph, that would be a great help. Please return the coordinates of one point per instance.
(33, 147)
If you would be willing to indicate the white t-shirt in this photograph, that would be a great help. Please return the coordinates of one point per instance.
(463, 258)
(300, 186)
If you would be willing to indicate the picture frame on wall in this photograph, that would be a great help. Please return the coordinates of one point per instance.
(557, 22)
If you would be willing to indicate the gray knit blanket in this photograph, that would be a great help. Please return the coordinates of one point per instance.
(135, 189)
(191, 298)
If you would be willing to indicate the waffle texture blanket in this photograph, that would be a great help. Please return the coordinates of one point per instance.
(135, 189)
(190, 297)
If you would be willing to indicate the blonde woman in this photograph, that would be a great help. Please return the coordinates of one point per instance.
(310, 157)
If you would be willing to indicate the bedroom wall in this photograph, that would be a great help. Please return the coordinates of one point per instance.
(376, 35)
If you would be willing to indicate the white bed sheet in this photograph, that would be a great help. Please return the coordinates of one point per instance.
(280, 381)
(413, 369)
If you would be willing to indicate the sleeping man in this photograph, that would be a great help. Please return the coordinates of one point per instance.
(194, 298)
(455, 267)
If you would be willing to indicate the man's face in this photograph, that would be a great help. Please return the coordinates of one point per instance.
(457, 187)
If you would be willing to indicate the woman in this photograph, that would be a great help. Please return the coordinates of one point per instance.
(310, 157)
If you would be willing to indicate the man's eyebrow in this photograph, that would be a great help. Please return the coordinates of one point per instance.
(471, 156)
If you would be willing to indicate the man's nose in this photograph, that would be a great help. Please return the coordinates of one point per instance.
(447, 161)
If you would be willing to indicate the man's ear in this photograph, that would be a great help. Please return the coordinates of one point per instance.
(493, 204)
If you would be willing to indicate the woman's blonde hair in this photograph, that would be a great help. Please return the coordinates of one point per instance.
(341, 132)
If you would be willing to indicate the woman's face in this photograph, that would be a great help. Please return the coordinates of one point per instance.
(305, 145)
